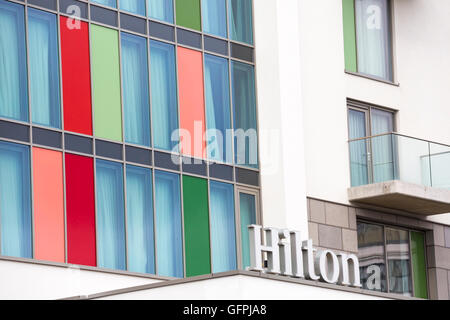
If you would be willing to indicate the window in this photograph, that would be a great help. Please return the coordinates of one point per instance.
(392, 259)
(240, 16)
(248, 214)
(15, 200)
(44, 68)
(371, 146)
(367, 37)
(161, 10)
(133, 6)
(188, 14)
(214, 16)
(110, 215)
(136, 105)
(109, 3)
(13, 65)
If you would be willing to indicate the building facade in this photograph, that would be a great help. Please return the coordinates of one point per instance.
(139, 140)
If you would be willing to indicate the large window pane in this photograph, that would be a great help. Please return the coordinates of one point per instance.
(247, 209)
(214, 16)
(397, 247)
(15, 200)
(133, 6)
(244, 106)
(217, 99)
(110, 215)
(13, 62)
(109, 3)
(223, 230)
(44, 68)
(373, 38)
(371, 256)
(136, 107)
(161, 10)
(141, 252)
(241, 20)
(169, 241)
(164, 94)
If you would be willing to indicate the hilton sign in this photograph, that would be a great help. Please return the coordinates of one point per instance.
(289, 256)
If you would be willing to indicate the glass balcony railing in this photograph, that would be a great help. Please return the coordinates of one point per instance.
(394, 156)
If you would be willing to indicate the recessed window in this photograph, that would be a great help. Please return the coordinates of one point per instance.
(368, 38)
(392, 259)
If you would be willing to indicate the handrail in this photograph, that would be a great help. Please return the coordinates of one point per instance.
(398, 134)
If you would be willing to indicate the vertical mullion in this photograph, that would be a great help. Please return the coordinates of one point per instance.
(31, 132)
(62, 135)
(387, 261)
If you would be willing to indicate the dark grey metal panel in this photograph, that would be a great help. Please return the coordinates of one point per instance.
(194, 166)
(138, 155)
(47, 138)
(189, 38)
(241, 52)
(164, 160)
(133, 23)
(15, 131)
(216, 45)
(161, 31)
(220, 171)
(108, 149)
(48, 4)
(249, 177)
(65, 4)
(78, 143)
(104, 16)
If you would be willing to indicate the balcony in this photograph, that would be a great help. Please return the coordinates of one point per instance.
(400, 172)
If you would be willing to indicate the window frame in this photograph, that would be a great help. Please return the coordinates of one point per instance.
(391, 52)
(409, 230)
(367, 109)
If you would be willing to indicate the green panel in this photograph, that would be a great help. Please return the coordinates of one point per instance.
(188, 14)
(196, 226)
(106, 83)
(419, 265)
(348, 9)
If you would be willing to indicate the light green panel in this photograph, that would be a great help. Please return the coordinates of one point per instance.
(188, 14)
(196, 226)
(348, 10)
(106, 83)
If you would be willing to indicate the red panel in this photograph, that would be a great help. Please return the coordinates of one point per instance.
(80, 210)
(76, 76)
(192, 106)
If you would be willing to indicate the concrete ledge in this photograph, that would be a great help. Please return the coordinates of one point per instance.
(404, 196)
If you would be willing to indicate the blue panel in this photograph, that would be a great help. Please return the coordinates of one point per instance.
(169, 240)
(217, 95)
(164, 95)
(133, 6)
(15, 200)
(44, 68)
(240, 15)
(136, 106)
(214, 16)
(161, 10)
(110, 215)
(244, 106)
(223, 229)
(13, 62)
(109, 3)
(141, 251)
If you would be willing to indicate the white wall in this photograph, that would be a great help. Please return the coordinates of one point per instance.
(241, 288)
(310, 75)
(38, 281)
